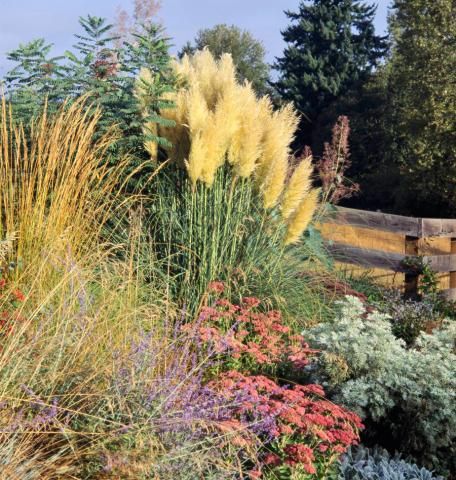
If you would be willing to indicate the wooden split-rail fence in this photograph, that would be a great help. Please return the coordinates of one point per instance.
(389, 245)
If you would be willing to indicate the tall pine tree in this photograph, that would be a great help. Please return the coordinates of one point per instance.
(331, 47)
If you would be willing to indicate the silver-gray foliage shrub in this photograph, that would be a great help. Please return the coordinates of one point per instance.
(409, 394)
(377, 464)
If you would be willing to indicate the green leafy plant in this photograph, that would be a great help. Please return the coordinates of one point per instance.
(409, 317)
(103, 69)
(248, 53)
(421, 104)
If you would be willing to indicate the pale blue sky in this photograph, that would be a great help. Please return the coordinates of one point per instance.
(57, 20)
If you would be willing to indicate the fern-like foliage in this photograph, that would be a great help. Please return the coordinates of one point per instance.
(104, 69)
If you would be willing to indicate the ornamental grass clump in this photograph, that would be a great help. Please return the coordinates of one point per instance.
(230, 198)
(218, 121)
(83, 294)
(57, 192)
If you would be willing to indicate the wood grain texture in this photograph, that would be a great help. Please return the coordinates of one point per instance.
(387, 260)
(414, 227)
(441, 263)
(366, 257)
(376, 242)
(450, 294)
(377, 220)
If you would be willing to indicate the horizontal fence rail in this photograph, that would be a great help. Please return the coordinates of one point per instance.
(412, 237)
(413, 227)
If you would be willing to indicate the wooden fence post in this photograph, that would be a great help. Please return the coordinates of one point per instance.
(411, 278)
(452, 293)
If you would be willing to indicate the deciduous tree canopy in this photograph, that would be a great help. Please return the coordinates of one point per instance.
(248, 53)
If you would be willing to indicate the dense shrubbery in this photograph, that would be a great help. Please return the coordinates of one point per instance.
(92, 297)
(406, 396)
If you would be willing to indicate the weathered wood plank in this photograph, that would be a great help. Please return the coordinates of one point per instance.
(414, 227)
(377, 220)
(365, 237)
(388, 260)
(441, 263)
(450, 294)
(438, 227)
(453, 274)
(367, 258)
(411, 279)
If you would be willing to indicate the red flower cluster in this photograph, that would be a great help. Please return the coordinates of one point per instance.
(216, 287)
(243, 332)
(300, 425)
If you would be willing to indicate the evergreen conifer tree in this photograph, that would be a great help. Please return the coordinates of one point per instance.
(331, 47)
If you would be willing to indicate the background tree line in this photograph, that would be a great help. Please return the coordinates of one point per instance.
(398, 90)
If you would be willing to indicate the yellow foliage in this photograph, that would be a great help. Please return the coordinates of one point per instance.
(280, 128)
(141, 93)
(245, 149)
(272, 185)
(279, 131)
(197, 110)
(56, 192)
(150, 128)
(198, 153)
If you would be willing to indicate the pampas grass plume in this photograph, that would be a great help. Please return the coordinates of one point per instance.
(219, 120)
(195, 162)
(273, 185)
(205, 72)
(197, 110)
(302, 217)
(245, 149)
(298, 187)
